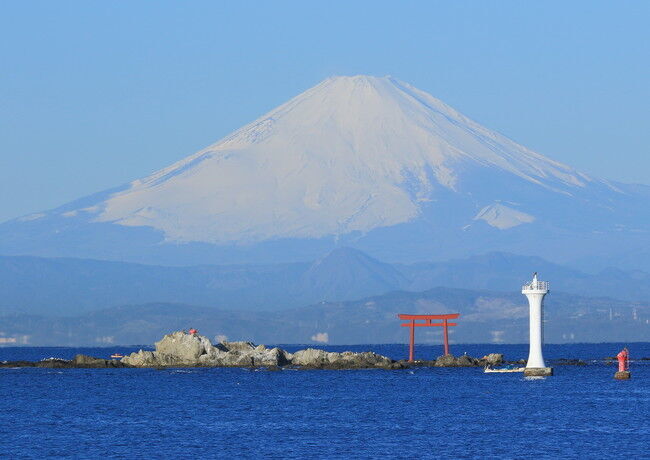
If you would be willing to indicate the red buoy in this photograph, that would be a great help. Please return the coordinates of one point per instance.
(623, 365)
(623, 360)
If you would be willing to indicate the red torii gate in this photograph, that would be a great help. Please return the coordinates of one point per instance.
(428, 323)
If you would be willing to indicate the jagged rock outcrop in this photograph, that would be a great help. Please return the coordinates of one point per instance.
(247, 354)
(462, 361)
(313, 358)
(142, 358)
(79, 361)
(85, 361)
(182, 349)
(493, 359)
(176, 349)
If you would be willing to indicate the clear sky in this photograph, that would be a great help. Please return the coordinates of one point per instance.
(95, 94)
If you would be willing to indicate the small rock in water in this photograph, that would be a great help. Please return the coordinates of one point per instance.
(622, 375)
(451, 361)
(493, 359)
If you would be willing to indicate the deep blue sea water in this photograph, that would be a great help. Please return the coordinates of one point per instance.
(580, 412)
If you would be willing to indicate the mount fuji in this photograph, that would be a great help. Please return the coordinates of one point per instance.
(367, 162)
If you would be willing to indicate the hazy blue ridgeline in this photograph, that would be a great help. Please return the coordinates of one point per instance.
(86, 302)
(65, 287)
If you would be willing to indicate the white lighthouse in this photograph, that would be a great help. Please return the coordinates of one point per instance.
(535, 291)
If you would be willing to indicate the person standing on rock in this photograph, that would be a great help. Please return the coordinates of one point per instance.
(193, 331)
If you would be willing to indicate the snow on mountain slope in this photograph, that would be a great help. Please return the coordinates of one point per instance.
(503, 217)
(370, 163)
(351, 154)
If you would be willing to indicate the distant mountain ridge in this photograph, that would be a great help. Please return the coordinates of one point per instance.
(347, 273)
(486, 317)
(367, 162)
(61, 287)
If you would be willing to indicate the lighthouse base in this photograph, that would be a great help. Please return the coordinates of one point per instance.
(622, 375)
(538, 371)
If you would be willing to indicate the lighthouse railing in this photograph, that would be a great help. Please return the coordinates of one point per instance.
(536, 286)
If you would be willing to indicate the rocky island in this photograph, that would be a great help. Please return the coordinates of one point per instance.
(182, 349)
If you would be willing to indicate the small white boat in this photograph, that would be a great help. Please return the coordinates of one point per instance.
(504, 369)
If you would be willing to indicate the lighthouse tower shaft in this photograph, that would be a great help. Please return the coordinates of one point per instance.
(535, 292)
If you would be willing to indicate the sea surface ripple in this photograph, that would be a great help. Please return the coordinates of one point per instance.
(580, 412)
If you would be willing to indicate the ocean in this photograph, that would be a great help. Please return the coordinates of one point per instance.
(580, 412)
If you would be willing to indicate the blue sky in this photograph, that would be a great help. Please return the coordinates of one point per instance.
(95, 94)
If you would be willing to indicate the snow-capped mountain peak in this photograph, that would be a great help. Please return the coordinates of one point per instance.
(350, 154)
(371, 163)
